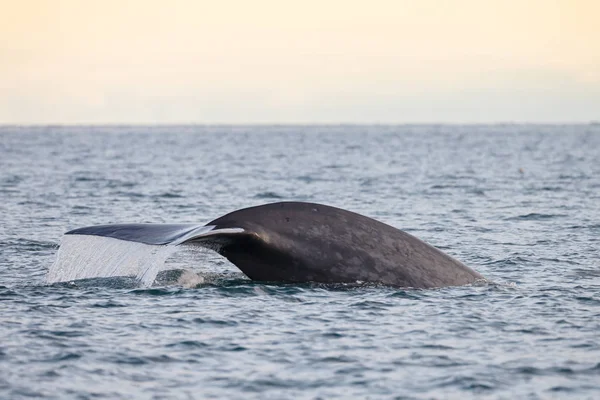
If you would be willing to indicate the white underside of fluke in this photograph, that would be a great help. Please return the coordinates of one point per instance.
(205, 232)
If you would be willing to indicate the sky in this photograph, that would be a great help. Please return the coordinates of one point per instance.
(309, 61)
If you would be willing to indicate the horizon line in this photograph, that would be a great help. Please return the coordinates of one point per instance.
(166, 124)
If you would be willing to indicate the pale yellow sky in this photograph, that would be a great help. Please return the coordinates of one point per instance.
(184, 61)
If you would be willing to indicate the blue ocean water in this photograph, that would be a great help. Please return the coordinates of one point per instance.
(518, 203)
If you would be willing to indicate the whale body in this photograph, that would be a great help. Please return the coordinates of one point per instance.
(305, 242)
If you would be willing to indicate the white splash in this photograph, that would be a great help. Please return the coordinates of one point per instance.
(190, 279)
(86, 256)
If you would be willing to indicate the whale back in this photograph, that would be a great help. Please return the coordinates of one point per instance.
(300, 242)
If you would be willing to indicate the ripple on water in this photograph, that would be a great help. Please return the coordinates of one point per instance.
(268, 195)
(535, 217)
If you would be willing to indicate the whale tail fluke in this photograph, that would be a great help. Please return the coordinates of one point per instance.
(139, 251)
(163, 234)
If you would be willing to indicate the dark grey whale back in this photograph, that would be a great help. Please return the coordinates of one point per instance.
(300, 242)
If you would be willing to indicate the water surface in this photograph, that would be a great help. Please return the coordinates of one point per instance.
(518, 203)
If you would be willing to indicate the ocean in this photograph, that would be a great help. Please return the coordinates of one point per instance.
(518, 203)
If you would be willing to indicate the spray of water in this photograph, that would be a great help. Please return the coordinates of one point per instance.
(83, 257)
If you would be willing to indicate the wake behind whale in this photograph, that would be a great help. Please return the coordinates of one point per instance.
(286, 242)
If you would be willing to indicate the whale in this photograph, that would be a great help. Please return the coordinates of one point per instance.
(299, 242)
